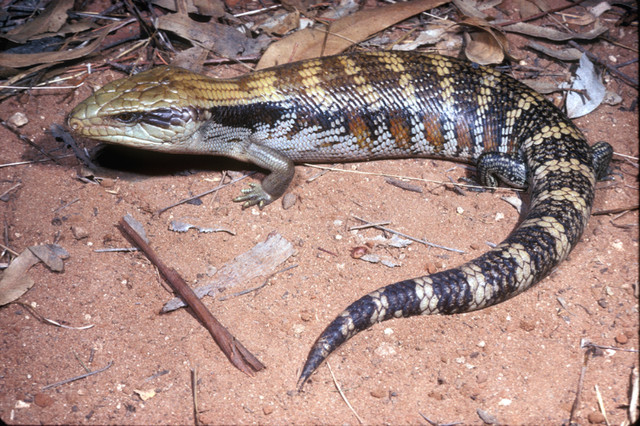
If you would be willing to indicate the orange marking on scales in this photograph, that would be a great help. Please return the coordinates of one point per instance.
(433, 131)
(400, 130)
(359, 129)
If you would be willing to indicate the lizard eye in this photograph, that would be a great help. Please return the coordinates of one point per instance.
(126, 117)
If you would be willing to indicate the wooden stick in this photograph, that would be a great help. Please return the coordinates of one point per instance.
(239, 356)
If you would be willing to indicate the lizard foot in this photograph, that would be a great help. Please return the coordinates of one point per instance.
(254, 195)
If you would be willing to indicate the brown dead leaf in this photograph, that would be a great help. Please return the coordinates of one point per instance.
(281, 23)
(468, 8)
(18, 60)
(487, 44)
(482, 48)
(553, 34)
(527, 8)
(52, 255)
(213, 8)
(313, 42)
(15, 282)
(567, 54)
(222, 39)
(49, 21)
(582, 19)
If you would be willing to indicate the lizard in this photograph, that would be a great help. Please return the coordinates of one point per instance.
(377, 105)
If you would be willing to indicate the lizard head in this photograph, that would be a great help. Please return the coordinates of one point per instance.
(159, 109)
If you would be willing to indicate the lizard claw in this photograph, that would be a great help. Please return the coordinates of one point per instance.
(254, 195)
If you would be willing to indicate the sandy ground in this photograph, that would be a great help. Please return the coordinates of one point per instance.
(519, 361)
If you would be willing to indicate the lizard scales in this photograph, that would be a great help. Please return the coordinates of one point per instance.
(373, 105)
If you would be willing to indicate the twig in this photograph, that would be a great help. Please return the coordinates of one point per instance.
(195, 197)
(439, 182)
(368, 225)
(583, 371)
(42, 160)
(28, 141)
(588, 344)
(601, 405)
(633, 398)
(41, 318)
(612, 69)
(116, 250)
(237, 354)
(431, 422)
(538, 15)
(337, 385)
(87, 369)
(82, 376)
(4, 194)
(194, 391)
(616, 210)
(66, 205)
(59, 132)
(427, 243)
(3, 247)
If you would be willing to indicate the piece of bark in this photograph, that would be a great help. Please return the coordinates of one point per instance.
(261, 260)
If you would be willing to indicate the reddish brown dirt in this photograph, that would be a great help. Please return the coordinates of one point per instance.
(519, 361)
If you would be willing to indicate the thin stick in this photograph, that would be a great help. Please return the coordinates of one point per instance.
(583, 371)
(87, 369)
(439, 182)
(17, 185)
(601, 405)
(612, 69)
(3, 247)
(393, 231)
(194, 390)
(369, 225)
(614, 211)
(237, 354)
(73, 379)
(337, 385)
(195, 197)
(633, 398)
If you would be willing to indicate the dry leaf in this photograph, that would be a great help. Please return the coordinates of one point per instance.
(49, 21)
(568, 54)
(487, 45)
(52, 255)
(311, 42)
(527, 8)
(145, 394)
(17, 60)
(468, 8)
(482, 48)
(552, 34)
(261, 260)
(588, 91)
(281, 23)
(540, 86)
(222, 39)
(14, 281)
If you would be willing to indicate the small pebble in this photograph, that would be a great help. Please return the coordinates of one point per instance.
(306, 316)
(622, 338)
(595, 418)
(379, 393)
(107, 183)
(18, 119)
(527, 325)
(289, 200)
(43, 400)
(79, 232)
